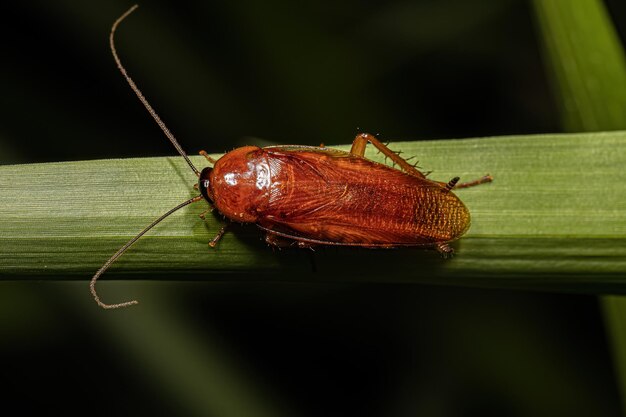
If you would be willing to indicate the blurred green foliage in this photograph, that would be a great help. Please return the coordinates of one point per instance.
(588, 63)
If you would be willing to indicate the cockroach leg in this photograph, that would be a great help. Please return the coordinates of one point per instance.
(360, 142)
(218, 236)
(445, 250)
(487, 178)
(450, 185)
(208, 158)
(205, 212)
(278, 241)
(282, 242)
(305, 245)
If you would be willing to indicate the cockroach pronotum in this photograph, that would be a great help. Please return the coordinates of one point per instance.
(305, 196)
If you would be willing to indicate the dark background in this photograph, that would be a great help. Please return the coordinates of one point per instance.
(226, 74)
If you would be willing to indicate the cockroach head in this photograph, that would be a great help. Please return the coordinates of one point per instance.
(204, 184)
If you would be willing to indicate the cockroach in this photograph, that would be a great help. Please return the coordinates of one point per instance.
(305, 196)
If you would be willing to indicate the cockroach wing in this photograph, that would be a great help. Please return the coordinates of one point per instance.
(332, 197)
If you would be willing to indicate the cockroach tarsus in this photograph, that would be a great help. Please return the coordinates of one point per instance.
(304, 196)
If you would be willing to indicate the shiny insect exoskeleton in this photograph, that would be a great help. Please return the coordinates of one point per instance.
(306, 195)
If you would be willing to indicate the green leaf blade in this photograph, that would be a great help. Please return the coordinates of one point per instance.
(543, 222)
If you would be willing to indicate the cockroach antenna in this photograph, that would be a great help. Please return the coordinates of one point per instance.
(120, 252)
(143, 100)
(170, 136)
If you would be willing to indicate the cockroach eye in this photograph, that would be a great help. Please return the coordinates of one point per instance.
(204, 183)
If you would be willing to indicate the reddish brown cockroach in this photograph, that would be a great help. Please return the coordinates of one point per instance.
(307, 195)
